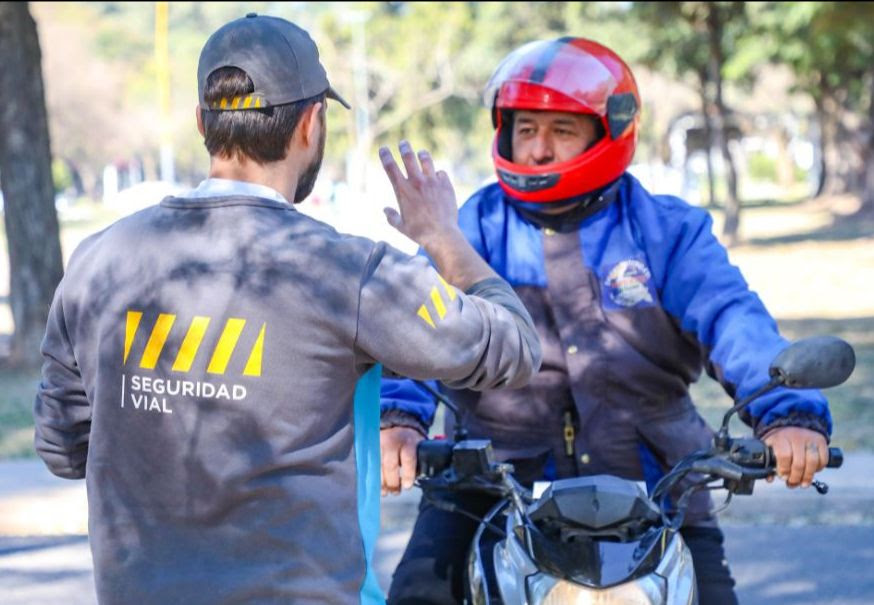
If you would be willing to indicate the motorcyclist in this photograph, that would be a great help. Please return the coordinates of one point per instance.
(632, 296)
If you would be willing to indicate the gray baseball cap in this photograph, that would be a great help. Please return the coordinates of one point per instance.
(280, 58)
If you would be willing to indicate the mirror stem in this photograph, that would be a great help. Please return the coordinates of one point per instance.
(721, 439)
(460, 430)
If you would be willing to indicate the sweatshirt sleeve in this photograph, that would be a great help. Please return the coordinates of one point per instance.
(417, 325)
(61, 411)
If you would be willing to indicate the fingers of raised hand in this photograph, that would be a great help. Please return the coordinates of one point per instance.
(414, 171)
(417, 165)
(394, 218)
(427, 163)
(395, 176)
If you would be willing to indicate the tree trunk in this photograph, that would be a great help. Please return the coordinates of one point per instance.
(868, 164)
(828, 108)
(824, 167)
(708, 139)
(850, 155)
(731, 225)
(785, 163)
(35, 263)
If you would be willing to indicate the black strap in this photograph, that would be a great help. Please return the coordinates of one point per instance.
(543, 63)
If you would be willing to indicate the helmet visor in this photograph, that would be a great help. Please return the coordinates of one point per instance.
(555, 66)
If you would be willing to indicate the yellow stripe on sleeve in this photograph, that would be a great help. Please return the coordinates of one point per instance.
(130, 331)
(450, 291)
(190, 345)
(225, 347)
(247, 102)
(438, 302)
(423, 313)
(156, 341)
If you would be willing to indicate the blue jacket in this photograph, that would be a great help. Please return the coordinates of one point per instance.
(630, 305)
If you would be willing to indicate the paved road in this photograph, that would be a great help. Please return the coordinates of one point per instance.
(811, 565)
(785, 547)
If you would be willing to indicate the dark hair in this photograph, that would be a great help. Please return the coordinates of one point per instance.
(260, 134)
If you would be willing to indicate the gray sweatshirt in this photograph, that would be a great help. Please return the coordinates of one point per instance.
(212, 370)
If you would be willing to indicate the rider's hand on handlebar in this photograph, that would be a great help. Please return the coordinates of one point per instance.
(398, 454)
(799, 452)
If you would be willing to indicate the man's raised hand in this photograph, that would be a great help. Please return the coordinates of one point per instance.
(426, 198)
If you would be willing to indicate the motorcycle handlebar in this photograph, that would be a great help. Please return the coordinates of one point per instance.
(745, 460)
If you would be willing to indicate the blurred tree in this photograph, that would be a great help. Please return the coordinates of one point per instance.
(830, 48)
(417, 70)
(698, 39)
(91, 122)
(26, 178)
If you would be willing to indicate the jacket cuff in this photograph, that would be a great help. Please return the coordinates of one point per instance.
(395, 417)
(797, 419)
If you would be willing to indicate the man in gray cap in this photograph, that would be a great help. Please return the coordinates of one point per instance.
(212, 362)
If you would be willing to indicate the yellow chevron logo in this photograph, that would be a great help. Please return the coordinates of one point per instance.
(436, 300)
(187, 352)
(246, 102)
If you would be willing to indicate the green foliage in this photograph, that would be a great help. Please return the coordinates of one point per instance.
(762, 167)
(417, 70)
(828, 45)
(61, 175)
(17, 392)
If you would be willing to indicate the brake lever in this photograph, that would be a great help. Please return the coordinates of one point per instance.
(719, 467)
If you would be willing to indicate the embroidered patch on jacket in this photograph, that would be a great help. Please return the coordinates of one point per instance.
(627, 283)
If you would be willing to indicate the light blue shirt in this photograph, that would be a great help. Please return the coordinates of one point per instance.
(225, 187)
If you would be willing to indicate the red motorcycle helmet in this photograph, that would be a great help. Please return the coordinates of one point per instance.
(572, 75)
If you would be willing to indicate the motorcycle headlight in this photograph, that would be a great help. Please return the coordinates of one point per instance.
(546, 590)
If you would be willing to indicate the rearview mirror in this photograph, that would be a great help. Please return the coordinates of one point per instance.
(814, 363)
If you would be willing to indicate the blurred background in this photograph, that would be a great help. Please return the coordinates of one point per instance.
(761, 112)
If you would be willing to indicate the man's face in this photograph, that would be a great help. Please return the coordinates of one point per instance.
(547, 137)
(307, 180)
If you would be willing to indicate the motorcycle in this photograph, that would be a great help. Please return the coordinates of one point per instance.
(602, 539)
